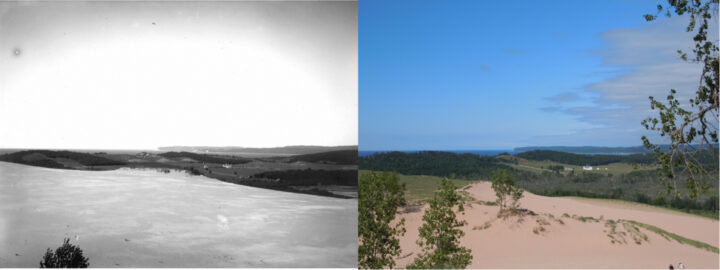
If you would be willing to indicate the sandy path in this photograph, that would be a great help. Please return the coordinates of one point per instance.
(511, 243)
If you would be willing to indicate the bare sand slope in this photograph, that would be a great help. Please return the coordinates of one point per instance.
(551, 240)
(142, 218)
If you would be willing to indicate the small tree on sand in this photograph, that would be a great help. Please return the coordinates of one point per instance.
(506, 188)
(440, 234)
(66, 256)
(379, 198)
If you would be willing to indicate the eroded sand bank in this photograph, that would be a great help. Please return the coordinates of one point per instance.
(512, 243)
(132, 218)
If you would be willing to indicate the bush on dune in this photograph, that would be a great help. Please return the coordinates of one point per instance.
(66, 256)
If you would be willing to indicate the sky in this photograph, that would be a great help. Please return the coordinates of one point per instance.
(454, 75)
(140, 75)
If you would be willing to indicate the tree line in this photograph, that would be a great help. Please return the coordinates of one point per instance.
(436, 163)
(43, 158)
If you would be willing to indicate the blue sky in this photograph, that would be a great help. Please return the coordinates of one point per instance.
(504, 74)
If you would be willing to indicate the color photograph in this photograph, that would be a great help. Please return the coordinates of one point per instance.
(538, 134)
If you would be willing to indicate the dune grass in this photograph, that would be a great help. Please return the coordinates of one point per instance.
(678, 238)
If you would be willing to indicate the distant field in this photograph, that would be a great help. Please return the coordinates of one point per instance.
(610, 169)
(420, 188)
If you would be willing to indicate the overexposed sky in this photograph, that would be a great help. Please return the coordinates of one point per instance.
(139, 75)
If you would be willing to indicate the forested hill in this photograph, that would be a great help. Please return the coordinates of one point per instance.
(57, 159)
(349, 157)
(705, 157)
(433, 163)
(205, 158)
(600, 150)
(581, 160)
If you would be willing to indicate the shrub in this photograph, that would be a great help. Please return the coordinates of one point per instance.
(66, 256)
(440, 233)
(379, 198)
(506, 188)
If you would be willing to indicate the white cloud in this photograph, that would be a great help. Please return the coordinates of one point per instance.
(650, 66)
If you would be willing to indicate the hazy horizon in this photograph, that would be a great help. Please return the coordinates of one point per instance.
(157, 148)
(139, 75)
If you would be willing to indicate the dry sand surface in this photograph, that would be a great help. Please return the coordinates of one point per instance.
(512, 242)
(143, 218)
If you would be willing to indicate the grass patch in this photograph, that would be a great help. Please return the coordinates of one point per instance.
(614, 235)
(542, 222)
(553, 218)
(490, 203)
(678, 238)
(420, 188)
(538, 229)
(585, 219)
(483, 227)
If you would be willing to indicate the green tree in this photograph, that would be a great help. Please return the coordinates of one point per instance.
(380, 195)
(440, 234)
(506, 189)
(66, 256)
(695, 127)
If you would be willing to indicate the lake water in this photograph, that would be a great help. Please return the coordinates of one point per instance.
(365, 153)
(143, 218)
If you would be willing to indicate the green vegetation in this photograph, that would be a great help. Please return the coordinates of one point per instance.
(442, 164)
(581, 160)
(380, 196)
(347, 157)
(421, 188)
(440, 234)
(638, 186)
(620, 181)
(678, 238)
(631, 228)
(587, 150)
(618, 235)
(584, 219)
(506, 189)
(698, 123)
(66, 256)
(486, 225)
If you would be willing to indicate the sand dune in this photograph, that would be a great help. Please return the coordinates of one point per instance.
(567, 242)
(143, 218)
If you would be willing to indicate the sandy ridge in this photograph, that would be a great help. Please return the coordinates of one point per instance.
(567, 242)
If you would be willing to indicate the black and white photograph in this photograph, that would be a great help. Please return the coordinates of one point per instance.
(178, 134)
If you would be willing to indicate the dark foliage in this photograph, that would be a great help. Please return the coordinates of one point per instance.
(693, 127)
(44, 158)
(556, 168)
(441, 164)
(380, 195)
(589, 150)
(349, 157)
(637, 186)
(66, 256)
(192, 170)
